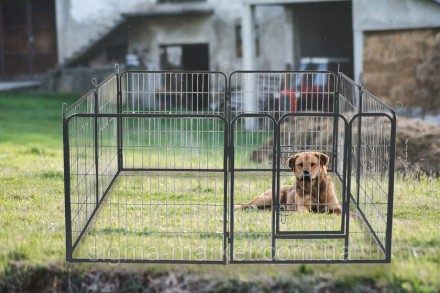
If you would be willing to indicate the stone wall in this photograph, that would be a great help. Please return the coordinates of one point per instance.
(76, 80)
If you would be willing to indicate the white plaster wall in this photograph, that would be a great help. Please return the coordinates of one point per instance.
(273, 38)
(80, 21)
(375, 15)
(394, 14)
(218, 31)
(146, 36)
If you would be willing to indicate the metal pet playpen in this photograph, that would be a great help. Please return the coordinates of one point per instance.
(156, 164)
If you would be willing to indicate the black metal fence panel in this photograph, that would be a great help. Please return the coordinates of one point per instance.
(172, 167)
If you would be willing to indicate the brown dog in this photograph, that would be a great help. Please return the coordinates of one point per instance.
(313, 190)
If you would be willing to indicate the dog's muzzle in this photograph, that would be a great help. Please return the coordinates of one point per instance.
(306, 175)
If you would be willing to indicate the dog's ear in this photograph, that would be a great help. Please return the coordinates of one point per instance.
(323, 158)
(291, 161)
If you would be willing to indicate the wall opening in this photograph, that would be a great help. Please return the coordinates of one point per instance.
(191, 57)
(27, 38)
(324, 30)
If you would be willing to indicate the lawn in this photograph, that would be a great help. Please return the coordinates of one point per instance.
(32, 235)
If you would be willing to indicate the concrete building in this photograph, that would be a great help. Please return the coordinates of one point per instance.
(394, 45)
(106, 31)
(223, 35)
(317, 27)
(187, 35)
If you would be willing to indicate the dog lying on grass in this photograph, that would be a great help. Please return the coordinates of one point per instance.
(313, 190)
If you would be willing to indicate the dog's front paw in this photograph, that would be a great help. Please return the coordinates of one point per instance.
(337, 211)
(244, 207)
(302, 209)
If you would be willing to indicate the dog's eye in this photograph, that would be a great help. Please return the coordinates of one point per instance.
(300, 165)
(313, 164)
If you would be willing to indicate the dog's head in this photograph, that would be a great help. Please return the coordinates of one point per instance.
(308, 166)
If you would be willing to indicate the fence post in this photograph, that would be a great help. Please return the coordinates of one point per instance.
(67, 188)
(348, 157)
(119, 119)
(96, 111)
(391, 189)
(359, 138)
(335, 124)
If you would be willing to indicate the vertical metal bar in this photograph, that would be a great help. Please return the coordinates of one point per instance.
(226, 157)
(391, 190)
(231, 165)
(96, 110)
(275, 184)
(119, 122)
(359, 139)
(345, 195)
(335, 124)
(348, 155)
(225, 193)
(335, 154)
(230, 138)
(67, 188)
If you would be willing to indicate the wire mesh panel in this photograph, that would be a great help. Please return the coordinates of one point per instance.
(92, 163)
(370, 175)
(80, 168)
(106, 131)
(278, 93)
(163, 143)
(173, 92)
(300, 132)
(251, 230)
(168, 201)
(371, 180)
(159, 216)
(274, 116)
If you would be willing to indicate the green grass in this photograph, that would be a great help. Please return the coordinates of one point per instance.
(32, 233)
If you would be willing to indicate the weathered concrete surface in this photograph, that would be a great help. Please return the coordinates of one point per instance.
(371, 15)
(81, 22)
(76, 80)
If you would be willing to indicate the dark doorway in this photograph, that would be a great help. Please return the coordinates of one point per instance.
(184, 57)
(195, 57)
(27, 38)
(324, 30)
(191, 57)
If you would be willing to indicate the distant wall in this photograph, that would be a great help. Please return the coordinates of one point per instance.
(76, 80)
(218, 31)
(81, 21)
(371, 15)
